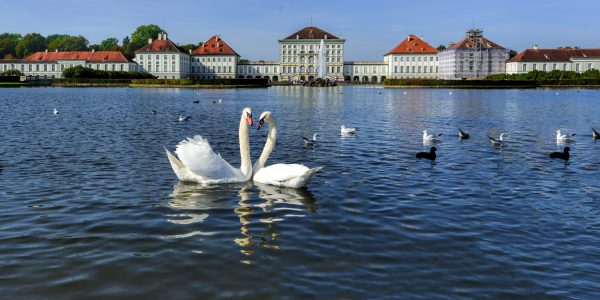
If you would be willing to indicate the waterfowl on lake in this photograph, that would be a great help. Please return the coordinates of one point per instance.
(430, 137)
(595, 134)
(196, 102)
(463, 135)
(498, 142)
(152, 111)
(218, 101)
(561, 155)
(310, 142)
(55, 112)
(183, 118)
(562, 138)
(428, 155)
(346, 130)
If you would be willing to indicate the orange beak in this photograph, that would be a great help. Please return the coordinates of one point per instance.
(249, 118)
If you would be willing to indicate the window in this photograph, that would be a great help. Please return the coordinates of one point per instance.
(589, 66)
(157, 56)
(173, 56)
(544, 67)
(419, 58)
(419, 69)
(172, 66)
(564, 67)
(53, 68)
(577, 67)
(534, 67)
(395, 58)
(401, 69)
(395, 69)
(413, 68)
(524, 67)
(45, 68)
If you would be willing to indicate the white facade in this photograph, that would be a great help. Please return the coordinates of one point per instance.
(262, 69)
(547, 60)
(412, 65)
(214, 59)
(52, 64)
(163, 59)
(299, 55)
(214, 66)
(366, 71)
(472, 57)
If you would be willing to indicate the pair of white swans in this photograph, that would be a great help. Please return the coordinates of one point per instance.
(197, 161)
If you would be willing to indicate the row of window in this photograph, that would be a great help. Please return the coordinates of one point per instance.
(157, 56)
(310, 69)
(328, 52)
(310, 47)
(54, 67)
(311, 59)
(412, 69)
(217, 69)
(214, 59)
(250, 70)
(417, 58)
(545, 67)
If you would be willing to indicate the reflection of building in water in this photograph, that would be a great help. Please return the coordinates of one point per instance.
(275, 208)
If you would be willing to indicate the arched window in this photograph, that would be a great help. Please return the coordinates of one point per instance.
(311, 69)
(302, 59)
(311, 60)
(301, 69)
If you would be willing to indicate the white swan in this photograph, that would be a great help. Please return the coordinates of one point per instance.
(197, 161)
(288, 175)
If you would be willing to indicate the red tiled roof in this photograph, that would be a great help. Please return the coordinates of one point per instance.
(312, 33)
(214, 46)
(160, 45)
(88, 56)
(469, 43)
(554, 54)
(413, 45)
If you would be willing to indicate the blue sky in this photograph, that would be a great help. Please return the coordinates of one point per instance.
(371, 27)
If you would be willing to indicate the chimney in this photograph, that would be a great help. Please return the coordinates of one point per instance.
(164, 35)
(190, 50)
(149, 41)
(535, 47)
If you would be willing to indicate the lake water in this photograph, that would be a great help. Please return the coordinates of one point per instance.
(90, 208)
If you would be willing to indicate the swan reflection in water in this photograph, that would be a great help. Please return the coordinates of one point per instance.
(193, 204)
(275, 208)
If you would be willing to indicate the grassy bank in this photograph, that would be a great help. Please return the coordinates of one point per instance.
(12, 84)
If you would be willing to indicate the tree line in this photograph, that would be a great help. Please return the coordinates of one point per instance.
(15, 45)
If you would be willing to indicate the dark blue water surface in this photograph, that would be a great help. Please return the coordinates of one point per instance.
(90, 208)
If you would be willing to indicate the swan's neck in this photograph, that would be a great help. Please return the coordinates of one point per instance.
(244, 133)
(269, 145)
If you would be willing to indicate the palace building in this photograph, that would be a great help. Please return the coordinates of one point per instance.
(52, 64)
(412, 58)
(299, 55)
(214, 59)
(577, 60)
(472, 57)
(163, 59)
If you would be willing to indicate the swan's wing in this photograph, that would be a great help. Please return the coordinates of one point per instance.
(197, 155)
(290, 175)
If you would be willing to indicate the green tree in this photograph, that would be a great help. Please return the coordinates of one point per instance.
(64, 42)
(29, 44)
(13, 73)
(140, 36)
(187, 47)
(109, 44)
(8, 42)
(94, 47)
(126, 41)
(512, 53)
(441, 48)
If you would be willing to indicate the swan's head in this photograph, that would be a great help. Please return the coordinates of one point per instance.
(557, 131)
(424, 132)
(247, 113)
(503, 135)
(265, 116)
